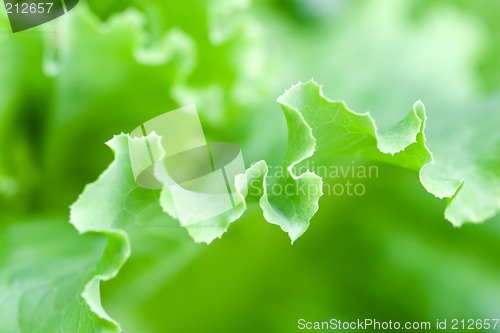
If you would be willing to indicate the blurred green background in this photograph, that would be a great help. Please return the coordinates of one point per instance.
(70, 85)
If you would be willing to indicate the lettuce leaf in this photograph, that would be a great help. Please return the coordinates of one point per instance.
(114, 202)
(45, 266)
(466, 170)
(222, 67)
